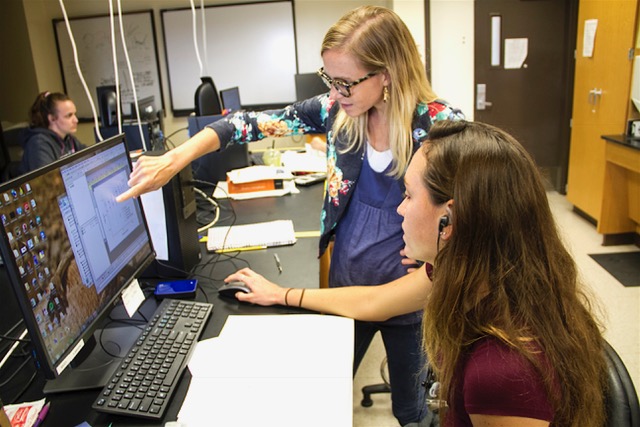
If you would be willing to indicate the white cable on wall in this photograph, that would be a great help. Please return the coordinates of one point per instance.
(204, 38)
(133, 84)
(115, 67)
(195, 36)
(80, 75)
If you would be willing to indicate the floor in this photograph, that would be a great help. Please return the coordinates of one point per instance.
(619, 308)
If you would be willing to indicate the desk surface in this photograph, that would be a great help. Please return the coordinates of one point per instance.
(300, 269)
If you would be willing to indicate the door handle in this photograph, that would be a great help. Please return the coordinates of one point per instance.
(481, 97)
(594, 96)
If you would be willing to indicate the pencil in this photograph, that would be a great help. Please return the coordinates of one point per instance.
(246, 248)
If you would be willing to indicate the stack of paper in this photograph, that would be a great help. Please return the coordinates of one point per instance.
(260, 234)
(284, 370)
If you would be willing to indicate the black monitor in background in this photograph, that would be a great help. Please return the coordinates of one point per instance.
(231, 99)
(107, 105)
(213, 167)
(309, 85)
(133, 139)
(70, 250)
(146, 107)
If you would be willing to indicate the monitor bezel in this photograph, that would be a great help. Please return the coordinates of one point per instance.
(44, 361)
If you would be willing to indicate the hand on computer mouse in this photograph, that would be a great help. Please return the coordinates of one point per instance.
(230, 289)
(263, 292)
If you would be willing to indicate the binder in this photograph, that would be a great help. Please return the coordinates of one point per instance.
(261, 234)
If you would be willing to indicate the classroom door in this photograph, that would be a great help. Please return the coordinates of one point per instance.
(601, 96)
(524, 78)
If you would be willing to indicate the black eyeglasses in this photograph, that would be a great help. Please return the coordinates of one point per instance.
(341, 86)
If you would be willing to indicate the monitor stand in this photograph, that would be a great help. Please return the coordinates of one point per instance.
(93, 366)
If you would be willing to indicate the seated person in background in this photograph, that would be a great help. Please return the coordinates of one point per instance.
(52, 123)
(508, 325)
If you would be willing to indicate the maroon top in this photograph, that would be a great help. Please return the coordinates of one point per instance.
(497, 380)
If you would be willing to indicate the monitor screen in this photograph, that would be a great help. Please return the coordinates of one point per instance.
(231, 99)
(146, 107)
(70, 248)
(309, 85)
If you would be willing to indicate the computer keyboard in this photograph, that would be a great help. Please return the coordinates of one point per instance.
(147, 377)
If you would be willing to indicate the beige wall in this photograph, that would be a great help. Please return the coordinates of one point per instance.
(18, 85)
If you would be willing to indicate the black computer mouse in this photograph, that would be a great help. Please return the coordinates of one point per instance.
(230, 289)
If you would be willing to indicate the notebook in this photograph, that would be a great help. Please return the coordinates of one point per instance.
(266, 234)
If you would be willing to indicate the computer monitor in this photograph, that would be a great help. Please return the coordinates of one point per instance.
(309, 85)
(107, 105)
(231, 99)
(146, 107)
(70, 250)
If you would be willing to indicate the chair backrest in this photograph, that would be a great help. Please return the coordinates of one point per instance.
(623, 409)
(11, 152)
(207, 102)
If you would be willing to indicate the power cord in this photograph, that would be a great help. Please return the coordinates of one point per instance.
(216, 209)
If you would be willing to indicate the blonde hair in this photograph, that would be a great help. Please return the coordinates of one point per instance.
(380, 41)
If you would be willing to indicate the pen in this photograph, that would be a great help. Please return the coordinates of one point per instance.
(43, 413)
(277, 258)
(246, 248)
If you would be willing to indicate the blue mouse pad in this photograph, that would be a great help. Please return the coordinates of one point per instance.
(624, 266)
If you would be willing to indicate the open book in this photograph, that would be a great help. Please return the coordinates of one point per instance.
(266, 234)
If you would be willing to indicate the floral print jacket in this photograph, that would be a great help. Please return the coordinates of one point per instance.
(316, 115)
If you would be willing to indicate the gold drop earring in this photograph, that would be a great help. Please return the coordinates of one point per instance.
(385, 94)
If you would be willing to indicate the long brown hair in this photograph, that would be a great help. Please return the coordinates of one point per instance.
(380, 41)
(45, 104)
(505, 272)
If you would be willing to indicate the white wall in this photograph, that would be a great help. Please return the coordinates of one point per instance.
(451, 32)
(452, 56)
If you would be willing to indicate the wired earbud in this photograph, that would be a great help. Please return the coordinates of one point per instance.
(444, 221)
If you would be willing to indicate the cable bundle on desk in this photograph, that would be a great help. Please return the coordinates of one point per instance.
(25, 354)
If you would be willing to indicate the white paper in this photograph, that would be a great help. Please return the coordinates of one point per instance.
(515, 52)
(304, 162)
(132, 297)
(222, 192)
(284, 370)
(589, 37)
(258, 173)
(153, 205)
(282, 402)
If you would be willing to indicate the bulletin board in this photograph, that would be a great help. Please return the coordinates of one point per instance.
(251, 46)
(92, 37)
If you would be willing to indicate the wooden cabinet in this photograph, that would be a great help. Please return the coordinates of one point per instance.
(601, 96)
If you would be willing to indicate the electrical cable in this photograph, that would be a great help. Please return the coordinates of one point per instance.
(26, 386)
(15, 372)
(116, 74)
(215, 206)
(204, 38)
(12, 349)
(8, 338)
(80, 75)
(133, 83)
(195, 39)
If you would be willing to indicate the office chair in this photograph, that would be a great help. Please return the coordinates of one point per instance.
(383, 387)
(207, 102)
(621, 399)
(623, 409)
(11, 152)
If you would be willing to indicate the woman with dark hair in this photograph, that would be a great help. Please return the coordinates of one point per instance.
(506, 321)
(53, 123)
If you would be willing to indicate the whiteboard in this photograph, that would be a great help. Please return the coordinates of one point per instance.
(92, 37)
(251, 46)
